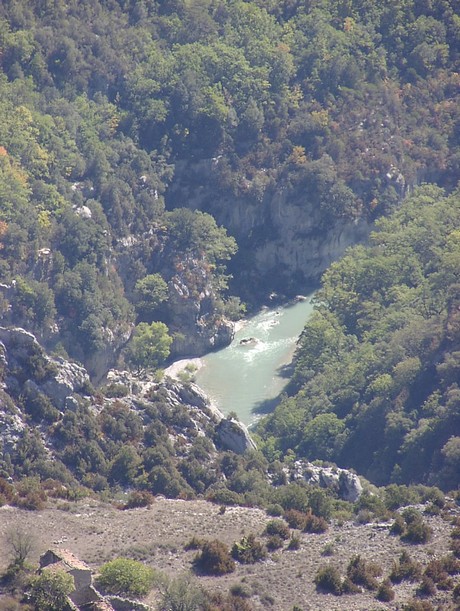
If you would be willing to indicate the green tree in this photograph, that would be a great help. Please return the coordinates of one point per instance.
(126, 577)
(49, 591)
(150, 291)
(149, 346)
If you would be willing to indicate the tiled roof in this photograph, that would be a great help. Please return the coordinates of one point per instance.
(70, 559)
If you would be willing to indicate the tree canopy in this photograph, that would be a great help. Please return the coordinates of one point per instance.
(375, 384)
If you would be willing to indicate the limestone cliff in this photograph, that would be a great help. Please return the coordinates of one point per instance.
(284, 242)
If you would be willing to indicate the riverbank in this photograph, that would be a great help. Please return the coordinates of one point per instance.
(178, 367)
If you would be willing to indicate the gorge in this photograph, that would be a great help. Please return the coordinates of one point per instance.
(246, 377)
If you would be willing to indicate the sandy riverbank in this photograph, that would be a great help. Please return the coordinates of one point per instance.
(177, 367)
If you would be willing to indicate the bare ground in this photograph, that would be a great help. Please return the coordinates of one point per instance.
(98, 532)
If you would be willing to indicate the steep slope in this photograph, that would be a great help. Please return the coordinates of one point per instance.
(376, 371)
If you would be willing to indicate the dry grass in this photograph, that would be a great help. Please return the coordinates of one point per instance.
(98, 532)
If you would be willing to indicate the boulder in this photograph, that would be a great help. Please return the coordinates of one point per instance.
(234, 436)
(70, 378)
(344, 482)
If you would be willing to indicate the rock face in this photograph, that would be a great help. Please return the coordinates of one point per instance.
(57, 378)
(282, 231)
(192, 317)
(234, 436)
(344, 482)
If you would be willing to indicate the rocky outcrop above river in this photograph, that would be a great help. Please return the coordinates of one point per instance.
(282, 231)
(345, 483)
(193, 320)
(233, 435)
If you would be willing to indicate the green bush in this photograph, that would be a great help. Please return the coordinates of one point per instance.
(348, 587)
(417, 531)
(115, 390)
(398, 526)
(405, 569)
(279, 528)
(328, 579)
(214, 559)
(182, 594)
(294, 543)
(295, 519)
(126, 577)
(248, 550)
(139, 498)
(49, 591)
(363, 573)
(223, 496)
(456, 592)
(274, 542)
(194, 543)
(427, 587)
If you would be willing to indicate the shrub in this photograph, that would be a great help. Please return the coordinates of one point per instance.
(248, 550)
(315, 524)
(417, 532)
(296, 519)
(363, 573)
(328, 550)
(279, 528)
(214, 559)
(455, 547)
(20, 544)
(405, 569)
(400, 496)
(294, 543)
(223, 496)
(33, 500)
(418, 605)
(411, 514)
(436, 571)
(275, 510)
(456, 592)
(241, 590)
(328, 579)
(126, 577)
(455, 533)
(116, 391)
(49, 590)
(182, 594)
(139, 498)
(385, 592)
(348, 587)
(194, 543)
(274, 542)
(398, 526)
(451, 564)
(427, 587)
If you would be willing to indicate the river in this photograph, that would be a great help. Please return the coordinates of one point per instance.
(247, 378)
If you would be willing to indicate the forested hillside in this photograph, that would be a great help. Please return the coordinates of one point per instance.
(154, 154)
(288, 121)
(377, 367)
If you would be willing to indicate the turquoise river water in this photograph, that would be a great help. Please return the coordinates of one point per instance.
(247, 378)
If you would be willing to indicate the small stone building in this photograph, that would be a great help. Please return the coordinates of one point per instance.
(84, 596)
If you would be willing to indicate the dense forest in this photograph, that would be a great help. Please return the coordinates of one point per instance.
(377, 367)
(163, 162)
(108, 107)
